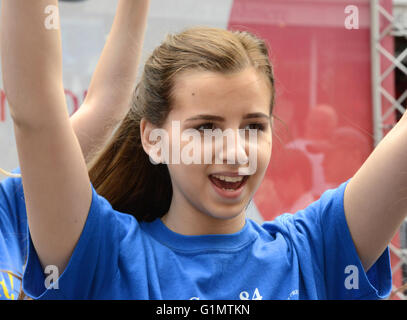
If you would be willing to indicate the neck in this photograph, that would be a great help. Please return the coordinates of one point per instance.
(185, 219)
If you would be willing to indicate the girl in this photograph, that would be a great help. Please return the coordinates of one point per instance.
(116, 69)
(131, 229)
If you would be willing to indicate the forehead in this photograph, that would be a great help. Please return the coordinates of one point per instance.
(209, 92)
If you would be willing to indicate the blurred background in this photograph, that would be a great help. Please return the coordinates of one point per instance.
(339, 89)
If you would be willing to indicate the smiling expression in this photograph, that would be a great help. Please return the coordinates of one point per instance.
(207, 100)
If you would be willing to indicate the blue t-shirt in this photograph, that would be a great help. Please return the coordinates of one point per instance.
(306, 255)
(13, 238)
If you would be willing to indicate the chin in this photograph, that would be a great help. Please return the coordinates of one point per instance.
(226, 212)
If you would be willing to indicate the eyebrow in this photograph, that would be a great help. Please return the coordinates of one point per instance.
(218, 118)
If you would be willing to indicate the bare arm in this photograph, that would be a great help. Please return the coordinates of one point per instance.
(375, 199)
(54, 174)
(113, 82)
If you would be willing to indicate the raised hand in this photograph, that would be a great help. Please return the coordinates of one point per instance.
(54, 174)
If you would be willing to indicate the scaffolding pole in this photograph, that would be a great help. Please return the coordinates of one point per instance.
(378, 52)
(375, 72)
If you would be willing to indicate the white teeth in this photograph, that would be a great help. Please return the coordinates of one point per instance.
(229, 179)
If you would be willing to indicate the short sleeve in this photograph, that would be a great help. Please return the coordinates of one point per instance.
(92, 266)
(322, 240)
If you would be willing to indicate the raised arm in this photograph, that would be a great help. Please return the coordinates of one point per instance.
(113, 81)
(54, 174)
(375, 199)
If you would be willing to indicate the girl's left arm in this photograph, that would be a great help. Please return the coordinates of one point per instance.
(375, 199)
(113, 82)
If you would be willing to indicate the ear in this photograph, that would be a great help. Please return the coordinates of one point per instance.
(151, 145)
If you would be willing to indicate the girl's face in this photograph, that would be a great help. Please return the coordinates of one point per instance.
(207, 100)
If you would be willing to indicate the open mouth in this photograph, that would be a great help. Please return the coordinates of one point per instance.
(228, 183)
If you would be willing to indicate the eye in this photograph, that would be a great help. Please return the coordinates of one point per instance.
(205, 126)
(256, 126)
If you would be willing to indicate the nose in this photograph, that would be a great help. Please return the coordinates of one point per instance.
(232, 150)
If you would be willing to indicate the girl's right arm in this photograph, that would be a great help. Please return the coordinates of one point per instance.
(55, 179)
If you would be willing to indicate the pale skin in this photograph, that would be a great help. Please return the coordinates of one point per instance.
(113, 81)
(223, 102)
(55, 178)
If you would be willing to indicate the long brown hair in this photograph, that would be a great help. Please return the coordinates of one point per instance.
(122, 171)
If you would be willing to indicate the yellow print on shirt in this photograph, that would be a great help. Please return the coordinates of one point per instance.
(7, 286)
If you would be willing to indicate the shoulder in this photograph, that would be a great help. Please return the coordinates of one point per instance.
(314, 221)
(112, 226)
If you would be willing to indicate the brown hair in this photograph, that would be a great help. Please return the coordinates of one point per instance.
(122, 172)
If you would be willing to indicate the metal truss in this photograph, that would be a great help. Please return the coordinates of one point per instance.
(383, 26)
